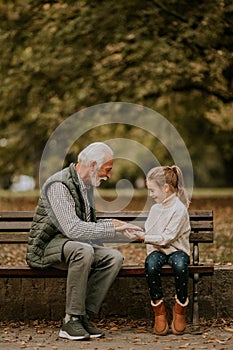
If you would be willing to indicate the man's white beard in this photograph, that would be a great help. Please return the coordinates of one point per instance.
(95, 179)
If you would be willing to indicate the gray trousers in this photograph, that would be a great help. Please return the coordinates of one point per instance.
(91, 271)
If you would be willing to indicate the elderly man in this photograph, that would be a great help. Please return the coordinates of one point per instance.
(65, 233)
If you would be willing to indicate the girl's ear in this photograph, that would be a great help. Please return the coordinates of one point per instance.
(166, 188)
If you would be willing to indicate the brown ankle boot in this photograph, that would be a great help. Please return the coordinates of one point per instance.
(161, 324)
(179, 321)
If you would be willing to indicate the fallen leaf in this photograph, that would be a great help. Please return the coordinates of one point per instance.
(141, 331)
(223, 342)
(184, 346)
(228, 329)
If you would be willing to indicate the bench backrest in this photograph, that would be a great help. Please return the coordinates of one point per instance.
(14, 226)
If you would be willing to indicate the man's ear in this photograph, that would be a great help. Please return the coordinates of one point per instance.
(93, 165)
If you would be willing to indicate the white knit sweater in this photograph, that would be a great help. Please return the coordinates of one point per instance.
(167, 227)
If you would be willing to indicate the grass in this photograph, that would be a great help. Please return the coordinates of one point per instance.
(197, 192)
(12, 194)
(213, 192)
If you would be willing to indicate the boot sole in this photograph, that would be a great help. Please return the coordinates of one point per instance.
(163, 332)
(174, 331)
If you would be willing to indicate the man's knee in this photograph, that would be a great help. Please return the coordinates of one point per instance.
(116, 257)
(119, 257)
(87, 253)
(77, 251)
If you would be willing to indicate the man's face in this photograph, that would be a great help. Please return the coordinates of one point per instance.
(102, 174)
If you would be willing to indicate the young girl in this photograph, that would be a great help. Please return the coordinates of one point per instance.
(167, 230)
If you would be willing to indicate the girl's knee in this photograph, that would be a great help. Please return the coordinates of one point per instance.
(180, 267)
(152, 265)
(180, 262)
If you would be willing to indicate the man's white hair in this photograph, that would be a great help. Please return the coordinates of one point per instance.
(97, 151)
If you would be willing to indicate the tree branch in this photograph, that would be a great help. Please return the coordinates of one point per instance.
(224, 96)
(169, 11)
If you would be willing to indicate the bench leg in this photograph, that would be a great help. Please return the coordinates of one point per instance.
(196, 322)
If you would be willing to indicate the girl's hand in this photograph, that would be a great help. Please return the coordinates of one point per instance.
(139, 236)
(122, 226)
(132, 234)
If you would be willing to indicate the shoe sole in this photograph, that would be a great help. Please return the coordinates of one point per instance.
(96, 336)
(65, 335)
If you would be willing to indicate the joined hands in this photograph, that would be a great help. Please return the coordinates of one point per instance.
(128, 230)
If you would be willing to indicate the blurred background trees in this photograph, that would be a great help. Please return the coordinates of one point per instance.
(58, 57)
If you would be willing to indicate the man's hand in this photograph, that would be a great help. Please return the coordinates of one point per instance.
(128, 230)
(122, 225)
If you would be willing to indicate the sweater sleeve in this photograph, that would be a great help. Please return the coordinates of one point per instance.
(176, 226)
(63, 206)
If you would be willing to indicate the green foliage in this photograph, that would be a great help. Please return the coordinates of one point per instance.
(58, 57)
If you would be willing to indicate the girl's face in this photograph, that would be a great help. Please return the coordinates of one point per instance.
(157, 193)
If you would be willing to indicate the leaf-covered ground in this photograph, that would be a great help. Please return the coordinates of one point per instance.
(119, 334)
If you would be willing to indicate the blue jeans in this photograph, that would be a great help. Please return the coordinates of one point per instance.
(179, 262)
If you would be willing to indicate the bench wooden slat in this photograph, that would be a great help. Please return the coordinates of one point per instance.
(124, 214)
(24, 226)
(13, 238)
(16, 215)
(26, 271)
(15, 226)
(143, 214)
(201, 237)
(20, 237)
(15, 220)
(201, 225)
(166, 270)
(201, 214)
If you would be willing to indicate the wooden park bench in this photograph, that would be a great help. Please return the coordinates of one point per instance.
(14, 228)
